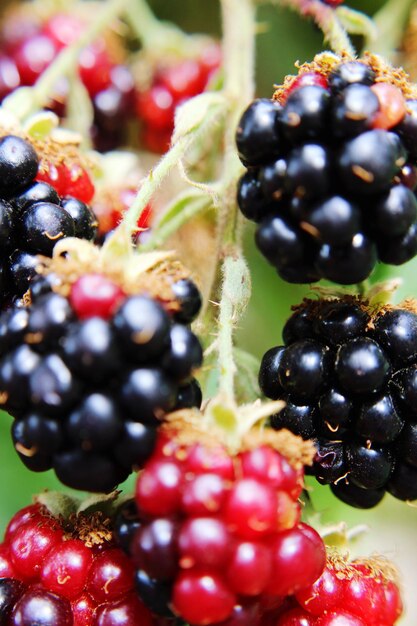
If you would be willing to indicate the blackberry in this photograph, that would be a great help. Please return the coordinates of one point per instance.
(33, 217)
(89, 375)
(348, 375)
(331, 172)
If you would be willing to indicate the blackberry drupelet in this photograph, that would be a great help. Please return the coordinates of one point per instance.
(331, 162)
(348, 374)
(33, 217)
(89, 368)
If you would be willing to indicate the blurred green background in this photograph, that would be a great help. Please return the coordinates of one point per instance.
(283, 39)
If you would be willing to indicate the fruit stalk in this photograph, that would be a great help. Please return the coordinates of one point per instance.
(27, 100)
(327, 20)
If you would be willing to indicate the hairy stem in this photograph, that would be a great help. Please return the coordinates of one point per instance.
(326, 19)
(28, 100)
(239, 59)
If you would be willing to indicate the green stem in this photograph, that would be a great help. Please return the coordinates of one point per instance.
(390, 22)
(28, 100)
(150, 31)
(326, 19)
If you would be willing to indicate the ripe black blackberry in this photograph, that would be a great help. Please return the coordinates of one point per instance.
(330, 170)
(33, 217)
(90, 366)
(348, 374)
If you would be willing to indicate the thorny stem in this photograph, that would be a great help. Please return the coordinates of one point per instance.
(327, 20)
(390, 21)
(28, 100)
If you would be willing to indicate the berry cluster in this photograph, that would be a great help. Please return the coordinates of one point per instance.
(356, 593)
(332, 172)
(29, 46)
(171, 86)
(66, 572)
(349, 379)
(212, 530)
(33, 216)
(88, 370)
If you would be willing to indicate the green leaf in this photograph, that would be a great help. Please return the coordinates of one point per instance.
(247, 376)
(100, 502)
(58, 504)
(186, 206)
(357, 23)
(191, 115)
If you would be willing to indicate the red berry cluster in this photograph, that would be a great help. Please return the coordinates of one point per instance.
(67, 578)
(215, 530)
(29, 47)
(171, 86)
(359, 593)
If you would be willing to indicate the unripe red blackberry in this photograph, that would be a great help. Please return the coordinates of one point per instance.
(214, 529)
(361, 592)
(347, 374)
(91, 363)
(173, 81)
(329, 161)
(40, 37)
(65, 569)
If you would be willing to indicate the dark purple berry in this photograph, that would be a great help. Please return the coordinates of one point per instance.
(43, 224)
(396, 331)
(305, 114)
(368, 163)
(85, 222)
(334, 221)
(356, 496)
(37, 192)
(303, 369)
(257, 136)
(189, 299)
(268, 373)
(18, 164)
(361, 366)
(308, 171)
(378, 421)
(347, 264)
(298, 419)
(369, 468)
(350, 73)
(354, 110)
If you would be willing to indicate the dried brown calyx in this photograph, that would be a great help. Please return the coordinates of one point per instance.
(325, 62)
(189, 426)
(151, 273)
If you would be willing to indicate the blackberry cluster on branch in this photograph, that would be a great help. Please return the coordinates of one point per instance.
(88, 373)
(331, 171)
(349, 378)
(33, 217)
